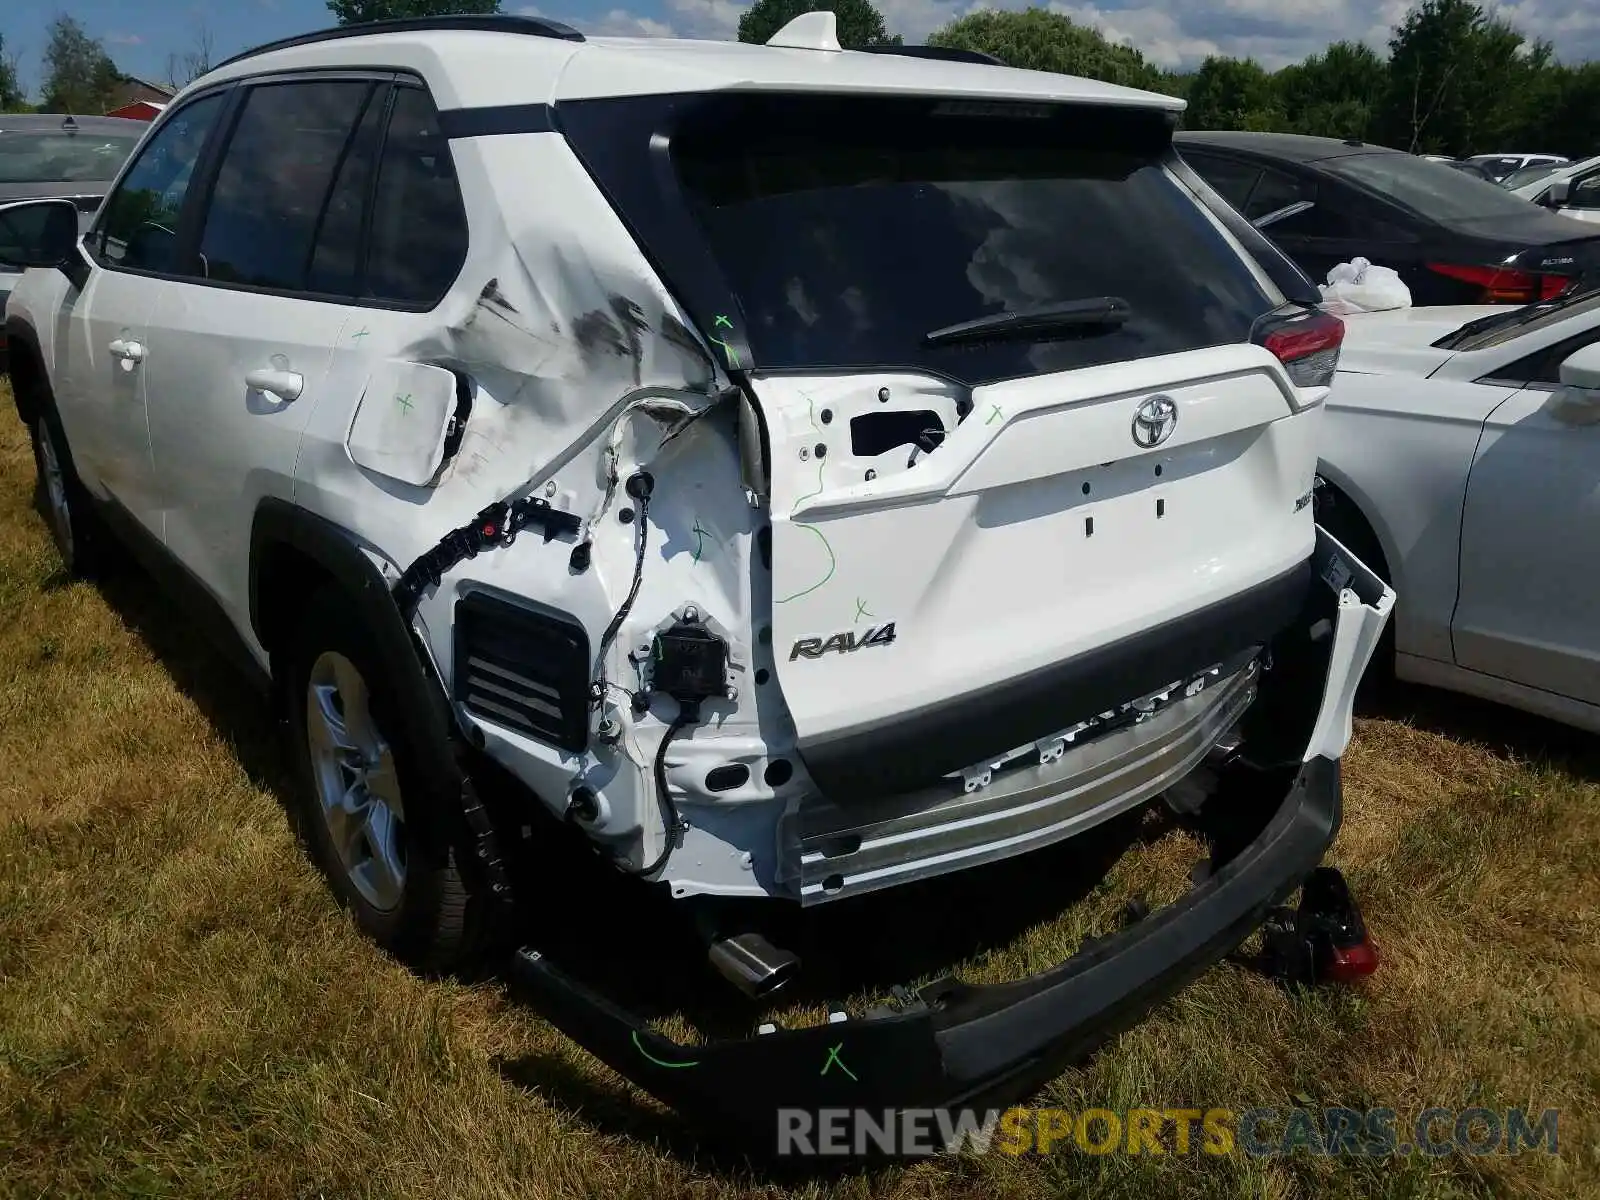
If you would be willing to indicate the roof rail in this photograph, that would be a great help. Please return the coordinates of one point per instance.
(945, 53)
(481, 23)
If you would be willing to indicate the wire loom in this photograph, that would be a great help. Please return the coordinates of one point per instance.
(496, 526)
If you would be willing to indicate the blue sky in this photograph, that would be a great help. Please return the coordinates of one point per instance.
(141, 34)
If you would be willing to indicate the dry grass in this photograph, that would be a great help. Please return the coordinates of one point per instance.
(183, 1010)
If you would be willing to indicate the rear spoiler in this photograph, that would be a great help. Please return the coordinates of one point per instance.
(1294, 283)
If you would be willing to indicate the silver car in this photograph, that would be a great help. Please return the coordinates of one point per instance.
(55, 156)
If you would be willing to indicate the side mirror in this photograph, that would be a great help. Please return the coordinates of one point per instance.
(1560, 191)
(38, 233)
(1577, 401)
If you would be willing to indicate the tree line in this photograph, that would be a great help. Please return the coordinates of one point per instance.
(1457, 79)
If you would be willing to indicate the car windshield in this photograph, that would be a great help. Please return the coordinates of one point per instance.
(61, 157)
(1528, 175)
(1431, 190)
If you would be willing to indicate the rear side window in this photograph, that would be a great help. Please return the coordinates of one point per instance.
(275, 173)
(419, 227)
(1231, 178)
(138, 228)
(1431, 190)
(850, 228)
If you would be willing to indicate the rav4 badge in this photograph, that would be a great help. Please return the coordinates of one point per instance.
(843, 643)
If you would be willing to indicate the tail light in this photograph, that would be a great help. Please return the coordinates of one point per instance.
(1505, 285)
(1307, 344)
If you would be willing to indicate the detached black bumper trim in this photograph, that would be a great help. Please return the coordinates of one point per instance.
(971, 1047)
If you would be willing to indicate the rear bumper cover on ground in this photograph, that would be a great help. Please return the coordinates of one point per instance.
(982, 1047)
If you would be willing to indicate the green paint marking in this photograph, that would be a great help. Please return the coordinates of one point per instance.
(729, 352)
(661, 1062)
(722, 322)
(835, 1061)
(996, 415)
(700, 536)
(832, 561)
(861, 610)
(404, 402)
(359, 334)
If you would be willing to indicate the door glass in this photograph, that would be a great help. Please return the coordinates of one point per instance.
(1231, 179)
(1585, 193)
(336, 261)
(1275, 191)
(138, 228)
(274, 177)
(417, 191)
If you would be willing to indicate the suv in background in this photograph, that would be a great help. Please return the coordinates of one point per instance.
(764, 455)
(1498, 166)
(49, 155)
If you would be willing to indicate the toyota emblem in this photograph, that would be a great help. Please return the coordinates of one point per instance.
(1155, 420)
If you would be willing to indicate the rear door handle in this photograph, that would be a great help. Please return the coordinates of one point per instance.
(127, 351)
(285, 385)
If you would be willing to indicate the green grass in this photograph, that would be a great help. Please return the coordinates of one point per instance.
(185, 1011)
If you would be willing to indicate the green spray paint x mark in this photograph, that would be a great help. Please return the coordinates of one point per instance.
(835, 1061)
(994, 416)
(404, 402)
(359, 334)
(722, 322)
(861, 610)
(700, 536)
(661, 1062)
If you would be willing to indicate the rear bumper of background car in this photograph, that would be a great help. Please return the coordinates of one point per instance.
(955, 1046)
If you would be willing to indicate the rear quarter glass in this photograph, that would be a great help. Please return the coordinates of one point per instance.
(847, 228)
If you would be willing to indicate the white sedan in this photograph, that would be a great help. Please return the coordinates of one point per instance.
(1462, 459)
(1572, 190)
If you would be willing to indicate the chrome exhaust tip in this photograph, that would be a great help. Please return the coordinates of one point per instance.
(752, 964)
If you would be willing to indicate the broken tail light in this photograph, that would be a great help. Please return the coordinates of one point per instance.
(1307, 344)
(1505, 285)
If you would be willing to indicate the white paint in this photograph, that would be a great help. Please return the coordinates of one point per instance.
(402, 419)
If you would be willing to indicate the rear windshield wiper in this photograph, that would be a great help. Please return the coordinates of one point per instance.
(1077, 318)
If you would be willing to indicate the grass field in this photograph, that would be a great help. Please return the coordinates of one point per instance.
(184, 1010)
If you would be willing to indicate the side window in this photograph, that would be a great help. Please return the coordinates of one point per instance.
(419, 226)
(1276, 190)
(1585, 193)
(336, 260)
(138, 227)
(274, 176)
(1232, 179)
(1543, 367)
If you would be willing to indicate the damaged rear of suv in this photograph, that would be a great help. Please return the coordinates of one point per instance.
(808, 472)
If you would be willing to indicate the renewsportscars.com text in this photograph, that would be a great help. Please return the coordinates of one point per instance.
(1261, 1132)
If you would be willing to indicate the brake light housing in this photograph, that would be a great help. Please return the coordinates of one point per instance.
(1504, 285)
(1307, 343)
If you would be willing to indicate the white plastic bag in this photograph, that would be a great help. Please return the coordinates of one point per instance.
(1358, 286)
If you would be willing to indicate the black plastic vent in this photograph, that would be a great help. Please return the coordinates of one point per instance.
(524, 670)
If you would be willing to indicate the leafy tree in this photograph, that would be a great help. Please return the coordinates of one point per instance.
(860, 24)
(1040, 40)
(1233, 93)
(11, 97)
(1570, 104)
(351, 12)
(1333, 94)
(79, 76)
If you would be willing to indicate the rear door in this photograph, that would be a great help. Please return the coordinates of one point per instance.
(953, 515)
(247, 339)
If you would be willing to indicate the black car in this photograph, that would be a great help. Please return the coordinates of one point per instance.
(1453, 238)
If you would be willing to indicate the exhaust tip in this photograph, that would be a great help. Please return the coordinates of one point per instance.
(752, 964)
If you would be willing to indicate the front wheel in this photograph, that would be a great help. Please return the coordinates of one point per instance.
(392, 842)
(61, 500)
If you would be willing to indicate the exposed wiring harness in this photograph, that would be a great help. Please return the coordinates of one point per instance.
(672, 825)
(497, 525)
(639, 487)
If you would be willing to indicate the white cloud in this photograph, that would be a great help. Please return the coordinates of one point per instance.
(124, 39)
(1171, 33)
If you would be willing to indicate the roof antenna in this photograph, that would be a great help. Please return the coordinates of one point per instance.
(809, 31)
(69, 124)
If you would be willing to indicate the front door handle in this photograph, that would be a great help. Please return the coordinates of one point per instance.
(127, 351)
(285, 385)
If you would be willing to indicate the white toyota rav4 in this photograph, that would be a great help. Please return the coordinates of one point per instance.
(804, 471)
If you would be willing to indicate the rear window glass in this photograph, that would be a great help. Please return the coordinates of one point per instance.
(62, 157)
(1432, 190)
(851, 228)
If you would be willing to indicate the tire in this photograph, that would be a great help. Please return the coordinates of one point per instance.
(62, 500)
(376, 811)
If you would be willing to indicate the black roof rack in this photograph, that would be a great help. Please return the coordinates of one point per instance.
(944, 53)
(484, 23)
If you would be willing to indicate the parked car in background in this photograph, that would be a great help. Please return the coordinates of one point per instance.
(57, 156)
(1453, 240)
(1572, 190)
(1461, 455)
(1471, 168)
(1499, 166)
